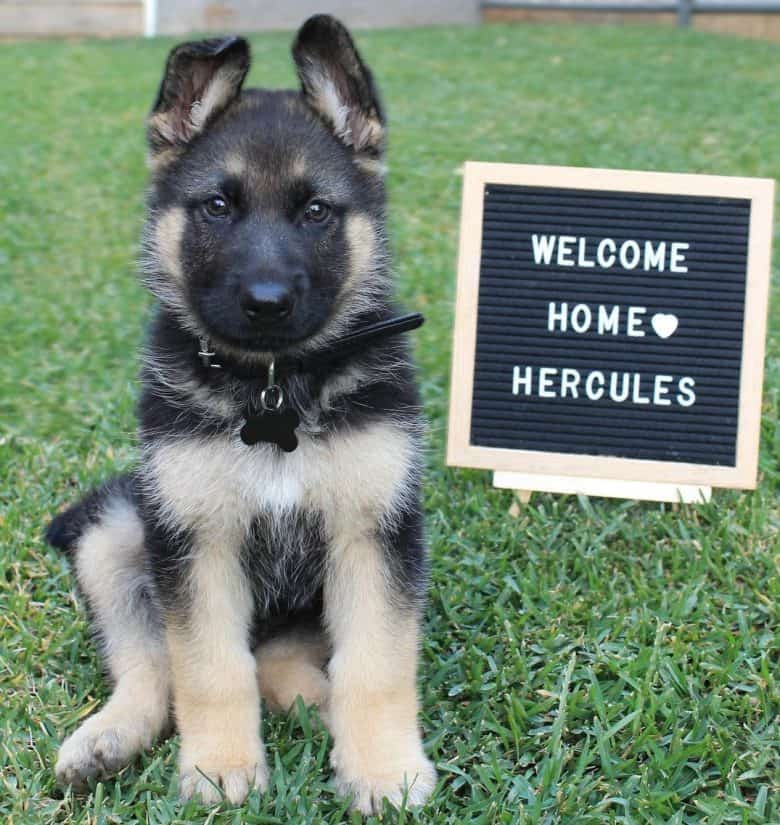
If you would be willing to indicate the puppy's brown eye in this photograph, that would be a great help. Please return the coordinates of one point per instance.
(317, 211)
(217, 207)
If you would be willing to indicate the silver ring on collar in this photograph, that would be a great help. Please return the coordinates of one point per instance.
(272, 398)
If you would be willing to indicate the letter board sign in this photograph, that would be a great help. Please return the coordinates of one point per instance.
(610, 324)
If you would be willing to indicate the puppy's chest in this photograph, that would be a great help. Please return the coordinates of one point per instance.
(220, 485)
(271, 503)
(283, 558)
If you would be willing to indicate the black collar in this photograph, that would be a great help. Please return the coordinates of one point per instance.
(340, 348)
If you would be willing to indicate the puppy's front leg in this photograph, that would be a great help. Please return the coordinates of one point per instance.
(374, 631)
(216, 698)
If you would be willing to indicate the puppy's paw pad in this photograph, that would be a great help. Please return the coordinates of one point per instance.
(213, 784)
(413, 788)
(94, 753)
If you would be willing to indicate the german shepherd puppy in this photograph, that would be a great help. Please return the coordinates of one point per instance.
(218, 570)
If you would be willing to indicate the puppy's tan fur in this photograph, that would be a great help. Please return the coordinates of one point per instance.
(137, 661)
(372, 699)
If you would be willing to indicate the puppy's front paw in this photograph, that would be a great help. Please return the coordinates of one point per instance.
(213, 779)
(95, 751)
(411, 779)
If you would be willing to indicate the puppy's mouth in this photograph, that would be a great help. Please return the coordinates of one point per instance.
(263, 343)
(242, 340)
(226, 327)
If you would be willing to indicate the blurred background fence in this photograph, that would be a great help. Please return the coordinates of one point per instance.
(749, 18)
(109, 18)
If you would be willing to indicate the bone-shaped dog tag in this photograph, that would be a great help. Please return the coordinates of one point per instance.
(273, 426)
(274, 422)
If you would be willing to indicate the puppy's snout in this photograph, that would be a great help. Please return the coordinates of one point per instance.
(266, 301)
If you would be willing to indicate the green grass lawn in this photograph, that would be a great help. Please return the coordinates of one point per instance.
(590, 661)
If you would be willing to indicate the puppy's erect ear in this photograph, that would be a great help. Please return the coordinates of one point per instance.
(338, 85)
(201, 79)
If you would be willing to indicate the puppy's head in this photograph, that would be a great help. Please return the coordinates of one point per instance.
(266, 210)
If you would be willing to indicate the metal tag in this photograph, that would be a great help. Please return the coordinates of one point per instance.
(274, 422)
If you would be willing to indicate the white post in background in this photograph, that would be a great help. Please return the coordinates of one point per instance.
(150, 18)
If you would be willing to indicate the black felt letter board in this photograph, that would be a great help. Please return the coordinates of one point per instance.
(553, 378)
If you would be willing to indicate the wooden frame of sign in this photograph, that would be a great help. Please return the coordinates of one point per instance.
(486, 439)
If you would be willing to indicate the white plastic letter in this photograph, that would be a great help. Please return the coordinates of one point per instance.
(595, 378)
(655, 257)
(661, 390)
(557, 316)
(633, 261)
(634, 323)
(565, 243)
(582, 259)
(525, 381)
(606, 261)
(581, 316)
(543, 248)
(636, 395)
(546, 382)
(625, 386)
(686, 397)
(609, 321)
(570, 380)
(676, 264)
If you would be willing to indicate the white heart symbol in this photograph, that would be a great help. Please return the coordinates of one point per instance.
(664, 325)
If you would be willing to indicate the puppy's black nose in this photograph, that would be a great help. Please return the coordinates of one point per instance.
(266, 301)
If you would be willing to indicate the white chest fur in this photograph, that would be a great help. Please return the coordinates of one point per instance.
(223, 484)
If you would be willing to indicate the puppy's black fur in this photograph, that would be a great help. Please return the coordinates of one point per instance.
(215, 565)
